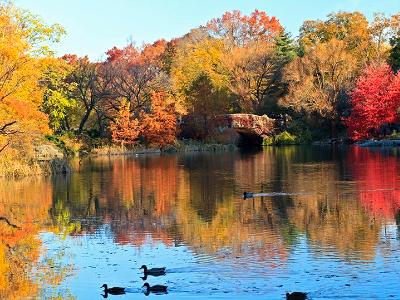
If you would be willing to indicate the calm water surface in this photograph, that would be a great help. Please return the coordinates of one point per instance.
(335, 233)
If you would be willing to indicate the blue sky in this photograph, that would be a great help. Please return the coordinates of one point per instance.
(93, 26)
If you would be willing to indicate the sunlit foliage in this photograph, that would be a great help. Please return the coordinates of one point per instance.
(159, 127)
(124, 129)
(24, 40)
(235, 63)
(375, 102)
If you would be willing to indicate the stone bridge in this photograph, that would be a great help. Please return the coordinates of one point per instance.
(249, 128)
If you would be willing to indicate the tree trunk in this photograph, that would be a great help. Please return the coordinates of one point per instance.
(100, 124)
(84, 119)
(66, 124)
(333, 129)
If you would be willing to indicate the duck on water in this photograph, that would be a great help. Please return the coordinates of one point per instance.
(153, 271)
(113, 290)
(296, 296)
(248, 195)
(156, 289)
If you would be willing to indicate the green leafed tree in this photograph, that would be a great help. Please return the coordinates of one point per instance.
(394, 56)
(58, 102)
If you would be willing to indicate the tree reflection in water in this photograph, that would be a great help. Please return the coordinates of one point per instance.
(25, 204)
(195, 200)
(377, 176)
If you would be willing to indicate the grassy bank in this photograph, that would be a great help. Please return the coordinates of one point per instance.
(46, 159)
(179, 146)
(53, 154)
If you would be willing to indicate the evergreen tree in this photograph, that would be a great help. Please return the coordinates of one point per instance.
(394, 56)
(286, 50)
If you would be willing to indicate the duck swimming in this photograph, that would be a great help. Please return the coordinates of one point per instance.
(152, 271)
(113, 290)
(296, 296)
(157, 289)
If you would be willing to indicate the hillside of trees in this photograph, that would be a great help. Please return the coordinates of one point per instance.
(339, 78)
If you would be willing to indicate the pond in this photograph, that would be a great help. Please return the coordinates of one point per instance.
(333, 231)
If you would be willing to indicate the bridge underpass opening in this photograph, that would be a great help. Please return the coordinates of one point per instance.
(249, 139)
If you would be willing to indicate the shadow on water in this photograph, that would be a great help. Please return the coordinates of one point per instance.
(146, 290)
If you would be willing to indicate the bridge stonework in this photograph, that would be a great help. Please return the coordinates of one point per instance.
(249, 128)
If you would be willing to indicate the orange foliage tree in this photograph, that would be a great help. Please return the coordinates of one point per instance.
(136, 72)
(239, 30)
(125, 128)
(159, 127)
(24, 40)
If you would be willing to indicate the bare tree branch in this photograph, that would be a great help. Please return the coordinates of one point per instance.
(7, 125)
(9, 223)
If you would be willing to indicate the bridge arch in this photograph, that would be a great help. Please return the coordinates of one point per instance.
(251, 129)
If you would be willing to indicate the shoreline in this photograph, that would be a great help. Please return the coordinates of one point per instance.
(379, 143)
(51, 160)
(180, 147)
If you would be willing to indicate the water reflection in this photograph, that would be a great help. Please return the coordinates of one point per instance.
(341, 208)
(24, 208)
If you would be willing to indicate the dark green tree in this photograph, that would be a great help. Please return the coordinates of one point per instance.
(394, 56)
(286, 50)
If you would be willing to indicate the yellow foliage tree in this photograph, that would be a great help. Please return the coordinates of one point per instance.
(196, 59)
(319, 80)
(23, 48)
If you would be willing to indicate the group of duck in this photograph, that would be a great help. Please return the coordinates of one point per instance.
(156, 289)
(162, 289)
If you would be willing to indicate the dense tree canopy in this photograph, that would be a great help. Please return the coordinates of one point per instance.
(234, 63)
(24, 52)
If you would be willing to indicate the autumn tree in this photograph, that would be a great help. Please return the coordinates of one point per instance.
(374, 101)
(91, 86)
(124, 128)
(58, 102)
(352, 29)
(318, 82)
(136, 73)
(332, 54)
(196, 60)
(24, 45)
(206, 101)
(159, 127)
(367, 41)
(253, 71)
(250, 60)
(237, 29)
(382, 30)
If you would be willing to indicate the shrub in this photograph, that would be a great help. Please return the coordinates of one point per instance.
(284, 138)
(394, 135)
(268, 141)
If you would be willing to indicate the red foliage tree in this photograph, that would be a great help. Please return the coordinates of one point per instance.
(124, 129)
(135, 72)
(375, 101)
(240, 29)
(159, 127)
